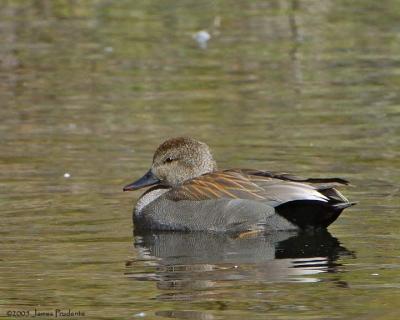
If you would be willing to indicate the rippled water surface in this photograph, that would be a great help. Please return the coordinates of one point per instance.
(90, 88)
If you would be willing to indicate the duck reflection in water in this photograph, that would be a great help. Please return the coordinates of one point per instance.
(200, 225)
(199, 260)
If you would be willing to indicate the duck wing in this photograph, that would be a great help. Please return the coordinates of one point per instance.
(290, 177)
(305, 202)
(227, 184)
(284, 187)
(264, 186)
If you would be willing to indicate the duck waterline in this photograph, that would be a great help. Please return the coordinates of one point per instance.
(188, 193)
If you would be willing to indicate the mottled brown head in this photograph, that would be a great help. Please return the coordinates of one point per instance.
(180, 159)
(175, 161)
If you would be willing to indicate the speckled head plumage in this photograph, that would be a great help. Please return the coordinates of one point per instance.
(176, 161)
(179, 159)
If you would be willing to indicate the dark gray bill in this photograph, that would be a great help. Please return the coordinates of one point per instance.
(147, 180)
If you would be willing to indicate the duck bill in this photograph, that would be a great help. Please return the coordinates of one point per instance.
(148, 179)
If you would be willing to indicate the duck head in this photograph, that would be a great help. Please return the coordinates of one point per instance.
(175, 161)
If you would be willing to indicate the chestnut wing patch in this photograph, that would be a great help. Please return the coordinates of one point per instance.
(274, 188)
(229, 184)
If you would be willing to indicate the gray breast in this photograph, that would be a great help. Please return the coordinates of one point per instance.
(218, 215)
(148, 197)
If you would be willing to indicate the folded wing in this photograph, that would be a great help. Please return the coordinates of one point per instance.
(306, 202)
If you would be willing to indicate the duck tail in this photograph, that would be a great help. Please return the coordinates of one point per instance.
(312, 214)
(342, 206)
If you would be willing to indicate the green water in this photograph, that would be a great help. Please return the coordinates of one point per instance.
(91, 88)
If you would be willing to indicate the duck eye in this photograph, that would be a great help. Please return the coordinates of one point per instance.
(168, 160)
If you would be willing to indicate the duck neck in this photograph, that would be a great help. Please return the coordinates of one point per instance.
(149, 196)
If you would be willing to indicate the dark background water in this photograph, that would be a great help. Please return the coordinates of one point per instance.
(91, 88)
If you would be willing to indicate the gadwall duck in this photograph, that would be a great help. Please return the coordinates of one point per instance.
(188, 193)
